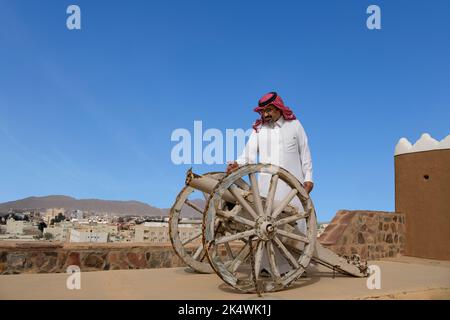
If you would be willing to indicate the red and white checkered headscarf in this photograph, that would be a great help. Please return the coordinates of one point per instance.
(272, 98)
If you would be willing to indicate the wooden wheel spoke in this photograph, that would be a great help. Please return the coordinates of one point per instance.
(243, 185)
(256, 195)
(258, 257)
(203, 255)
(234, 190)
(195, 236)
(198, 252)
(229, 251)
(291, 235)
(243, 254)
(272, 263)
(285, 252)
(233, 216)
(271, 194)
(236, 236)
(284, 203)
(194, 206)
(290, 219)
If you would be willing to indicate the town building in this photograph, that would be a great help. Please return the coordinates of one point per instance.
(88, 236)
(158, 232)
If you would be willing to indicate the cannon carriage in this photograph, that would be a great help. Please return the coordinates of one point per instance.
(240, 231)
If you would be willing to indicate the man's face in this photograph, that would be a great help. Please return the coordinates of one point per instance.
(271, 114)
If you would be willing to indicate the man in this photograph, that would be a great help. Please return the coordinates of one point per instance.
(278, 138)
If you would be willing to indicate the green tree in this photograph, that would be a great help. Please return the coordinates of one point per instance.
(48, 236)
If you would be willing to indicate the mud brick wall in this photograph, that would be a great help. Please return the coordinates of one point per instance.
(33, 257)
(373, 235)
(422, 189)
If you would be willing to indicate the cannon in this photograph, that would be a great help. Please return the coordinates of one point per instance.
(236, 231)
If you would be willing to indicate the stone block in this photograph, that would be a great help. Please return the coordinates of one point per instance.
(94, 260)
(393, 228)
(361, 238)
(73, 258)
(389, 238)
(50, 264)
(136, 259)
(16, 260)
(3, 257)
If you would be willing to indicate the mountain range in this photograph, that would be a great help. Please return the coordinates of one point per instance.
(119, 208)
(95, 205)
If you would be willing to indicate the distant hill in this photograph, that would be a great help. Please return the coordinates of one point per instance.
(69, 203)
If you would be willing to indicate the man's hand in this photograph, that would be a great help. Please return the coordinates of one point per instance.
(232, 166)
(308, 185)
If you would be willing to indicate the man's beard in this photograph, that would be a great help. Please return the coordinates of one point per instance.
(268, 120)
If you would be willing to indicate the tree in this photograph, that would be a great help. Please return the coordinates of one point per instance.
(42, 225)
(60, 217)
(48, 236)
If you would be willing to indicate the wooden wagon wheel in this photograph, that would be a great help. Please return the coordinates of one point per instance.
(190, 247)
(263, 227)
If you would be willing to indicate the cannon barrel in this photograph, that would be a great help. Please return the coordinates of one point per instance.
(207, 184)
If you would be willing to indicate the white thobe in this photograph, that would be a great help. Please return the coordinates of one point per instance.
(285, 144)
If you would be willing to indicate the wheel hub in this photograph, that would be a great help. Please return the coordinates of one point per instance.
(265, 229)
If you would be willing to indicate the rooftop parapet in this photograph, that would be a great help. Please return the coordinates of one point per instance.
(425, 143)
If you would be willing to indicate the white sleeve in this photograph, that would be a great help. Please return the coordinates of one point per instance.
(250, 152)
(305, 154)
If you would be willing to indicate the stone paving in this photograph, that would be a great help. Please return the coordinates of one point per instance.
(401, 278)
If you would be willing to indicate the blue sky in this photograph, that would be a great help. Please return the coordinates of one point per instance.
(89, 113)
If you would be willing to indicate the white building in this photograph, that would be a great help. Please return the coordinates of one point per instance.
(99, 227)
(10, 237)
(158, 232)
(58, 233)
(88, 236)
(17, 227)
(60, 230)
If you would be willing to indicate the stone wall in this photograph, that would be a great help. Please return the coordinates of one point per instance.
(373, 235)
(35, 257)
